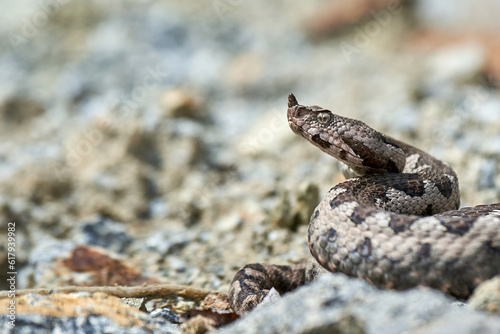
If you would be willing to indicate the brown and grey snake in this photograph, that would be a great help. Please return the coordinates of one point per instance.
(394, 223)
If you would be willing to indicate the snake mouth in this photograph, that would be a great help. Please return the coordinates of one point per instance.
(337, 149)
(295, 127)
(293, 115)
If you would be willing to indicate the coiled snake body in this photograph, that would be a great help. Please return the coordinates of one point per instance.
(395, 224)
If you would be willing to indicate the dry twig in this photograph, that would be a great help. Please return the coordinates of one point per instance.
(151, 291)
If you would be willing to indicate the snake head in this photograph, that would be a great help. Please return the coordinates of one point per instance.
(350, 141)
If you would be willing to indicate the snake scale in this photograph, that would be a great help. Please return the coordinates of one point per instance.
(395, 222)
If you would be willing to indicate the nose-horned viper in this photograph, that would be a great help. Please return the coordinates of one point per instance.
(395, 223)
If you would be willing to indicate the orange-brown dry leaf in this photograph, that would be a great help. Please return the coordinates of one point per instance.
(104, 269)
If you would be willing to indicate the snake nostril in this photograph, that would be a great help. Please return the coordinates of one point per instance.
(298, 111)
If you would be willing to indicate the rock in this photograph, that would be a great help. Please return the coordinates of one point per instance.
(286, 215)
(244, 71)
(281, 212)
(40, 183)
(179, 103)
(487, 174)
(166, 314)
(136, 303)
(158, 208)
(265, 135)
(272, 297)
(307, 200)
(314, 270)
(190, 213)
(17, 110)
(105, 233)
(456, 64)
(486, 297)
(175, 263)
(120, 191)
(230, 222)
(338, 304)
(79, 313)
(166, 242)
(143, 145)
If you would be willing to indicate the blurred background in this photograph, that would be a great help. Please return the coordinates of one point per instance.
(147, 141)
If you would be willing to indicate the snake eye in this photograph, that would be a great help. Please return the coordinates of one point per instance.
(323, 117)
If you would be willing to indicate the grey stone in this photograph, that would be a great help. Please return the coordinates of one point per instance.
(487, 174)
(338, 304)
(272, 297)
(165, 313)
(166, 241)
(307, 200)
(487, 296)
(106, 233)
(280, 214)
(39, 324)
(137, 303)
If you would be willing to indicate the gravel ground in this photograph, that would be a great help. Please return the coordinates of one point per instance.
(157, 130)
